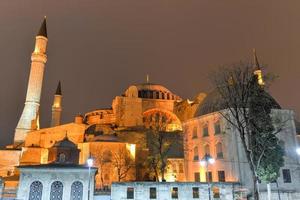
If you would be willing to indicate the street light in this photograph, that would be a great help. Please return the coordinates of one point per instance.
(204, 162)
(298, 151)
(90, 163)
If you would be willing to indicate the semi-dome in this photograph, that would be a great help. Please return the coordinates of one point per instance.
(150, 91)
(213, 103)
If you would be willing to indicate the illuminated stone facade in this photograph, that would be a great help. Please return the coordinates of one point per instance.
(30, 116)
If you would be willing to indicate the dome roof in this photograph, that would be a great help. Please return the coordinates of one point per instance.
(65, 143)
(152, 86)
(213, 103)
(150, 91)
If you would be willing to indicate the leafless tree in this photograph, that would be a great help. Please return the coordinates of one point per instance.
(160, 143)
(235, 87)
(123, 162)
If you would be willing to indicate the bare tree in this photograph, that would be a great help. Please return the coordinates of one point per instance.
(100, 161)
(123, 162)
(235, 87)
(160, 144)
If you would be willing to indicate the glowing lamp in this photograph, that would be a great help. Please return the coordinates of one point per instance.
(211, 161)
(90, 162)
(203, 163)
(298, 151)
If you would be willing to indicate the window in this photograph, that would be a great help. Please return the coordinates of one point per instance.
(130, 193)
(61, 158)
(286, 176)
(152, 193)
(140, 94)
(36, 191)
(196, 156)
(195, 192)
(174, 193)
(56, 192)
(217, 128)
(208, 176)
(107, 156)
(151, 94)
(205, 131)
(168, 96)
(157, 95)
(216, 192)
(174, 168)
(76, 190)
(195, 132)
(206, 149)
(180, 168)
(197, 176)
(163, 95)
(221, 176)
(219, 150)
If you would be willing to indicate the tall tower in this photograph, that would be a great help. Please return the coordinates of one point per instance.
(56, 107)
(257, 69)
(30, 115)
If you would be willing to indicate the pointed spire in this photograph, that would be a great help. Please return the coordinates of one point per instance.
(255, 60)
(147, 78)
(58, 89)
(43, 29)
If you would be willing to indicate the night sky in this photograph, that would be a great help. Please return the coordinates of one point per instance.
(97, 48)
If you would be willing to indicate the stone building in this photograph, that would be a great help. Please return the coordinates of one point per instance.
(61, 179)
(172, 190)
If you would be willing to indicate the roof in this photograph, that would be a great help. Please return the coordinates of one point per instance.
(43, 29)
(58, 89)
(65, 143)
(152, 86)
(54, 165)
(213, 103)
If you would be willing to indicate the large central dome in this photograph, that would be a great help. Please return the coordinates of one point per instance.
(150, 91)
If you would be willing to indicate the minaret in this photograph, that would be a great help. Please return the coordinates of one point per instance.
(56, 107)
(30, 114)
(257, 69)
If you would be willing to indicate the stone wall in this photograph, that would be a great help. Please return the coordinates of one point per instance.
(141, 190)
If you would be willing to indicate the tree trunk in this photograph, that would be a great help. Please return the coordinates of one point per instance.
(269, 191)
(255, 190)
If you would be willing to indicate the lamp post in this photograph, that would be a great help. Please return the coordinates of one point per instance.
(204, 162)
(90, 163)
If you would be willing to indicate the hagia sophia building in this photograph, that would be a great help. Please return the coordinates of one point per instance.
(102, 133)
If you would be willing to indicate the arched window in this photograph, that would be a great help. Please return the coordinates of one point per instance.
(76, 191)
(163, 95)
(61, 158)
(36, 191)
(206, 149)
(195, 132)
(56, 192)
(217, 127)
(196, 156)
(107, 156)
(219, 149)
(216, 192)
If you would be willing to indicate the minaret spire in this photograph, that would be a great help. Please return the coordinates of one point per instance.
(58, 89)
(43, 29)
(147, 78)
(257, 69)
(56, 106)
(30, 115)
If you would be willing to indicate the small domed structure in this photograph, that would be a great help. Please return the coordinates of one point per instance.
(64, 152)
